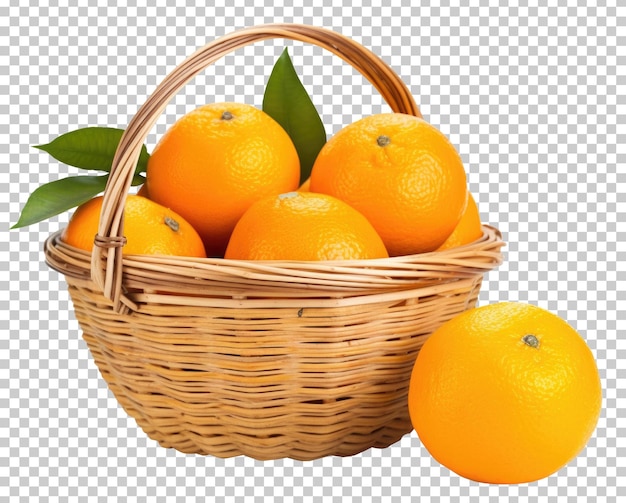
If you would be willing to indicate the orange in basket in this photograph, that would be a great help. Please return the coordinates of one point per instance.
(215, 161)
(149, 229)
(402, 173)
(469, 228)
(304, 226)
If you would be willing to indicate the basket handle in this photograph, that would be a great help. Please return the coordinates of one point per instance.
(106, 265)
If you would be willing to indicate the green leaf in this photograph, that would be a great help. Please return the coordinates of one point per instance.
(56, 197)
(91, 148)
(287, 102)
(138, 180)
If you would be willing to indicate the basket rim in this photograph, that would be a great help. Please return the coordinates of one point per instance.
(491, 238)
(217, 281)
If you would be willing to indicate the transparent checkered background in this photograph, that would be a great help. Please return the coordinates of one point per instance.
(532, 97)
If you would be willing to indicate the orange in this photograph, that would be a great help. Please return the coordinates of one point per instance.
(505, 393)
(149, 229)
(304, 226)
(469, 228)
(402, 173)
(306, 186)
(143, 191)
(215, 161)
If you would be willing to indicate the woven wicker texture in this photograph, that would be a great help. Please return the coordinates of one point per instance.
(264, 359)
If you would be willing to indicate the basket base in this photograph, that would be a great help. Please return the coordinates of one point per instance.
(226, 436)
(269, 449)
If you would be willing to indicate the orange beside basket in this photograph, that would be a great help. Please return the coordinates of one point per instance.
(264, 359)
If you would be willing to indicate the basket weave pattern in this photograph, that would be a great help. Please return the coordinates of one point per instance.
(264, 359)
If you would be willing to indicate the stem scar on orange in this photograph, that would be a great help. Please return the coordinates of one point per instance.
(505, 393)
(149, 229)
(217, 160)
(402, 173)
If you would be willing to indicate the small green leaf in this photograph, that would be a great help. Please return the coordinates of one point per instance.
(287, 102)
(56, 197)
(138, 180)
(91, 148)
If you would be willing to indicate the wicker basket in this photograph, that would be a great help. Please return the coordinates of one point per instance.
(264, 359)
